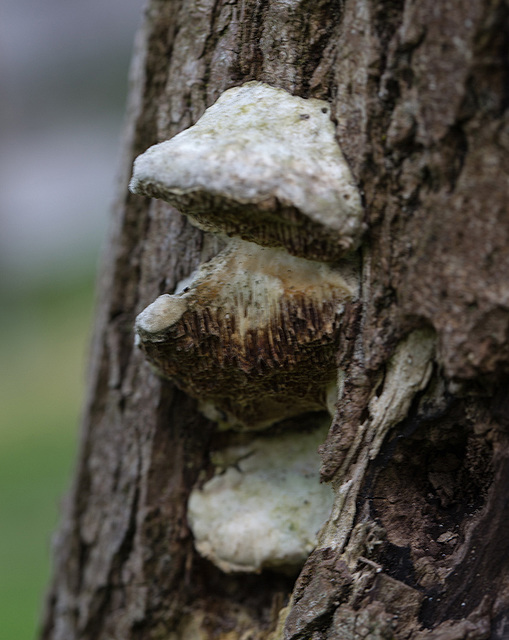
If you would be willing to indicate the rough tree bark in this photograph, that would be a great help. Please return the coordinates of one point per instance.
(418, 452)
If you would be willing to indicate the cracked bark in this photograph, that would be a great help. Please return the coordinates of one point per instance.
(416, 546)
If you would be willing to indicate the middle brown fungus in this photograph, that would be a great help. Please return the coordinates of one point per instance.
(254, 335)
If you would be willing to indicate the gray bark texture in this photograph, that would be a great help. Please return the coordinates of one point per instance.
(417, 545)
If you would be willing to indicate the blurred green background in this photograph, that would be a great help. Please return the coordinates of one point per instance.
(42, 348)
(63, 81)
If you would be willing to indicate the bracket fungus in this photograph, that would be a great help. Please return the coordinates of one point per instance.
(264, 506)
(254, 334)
(262, 165)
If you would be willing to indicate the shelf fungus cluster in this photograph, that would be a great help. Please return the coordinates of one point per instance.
(253, 334)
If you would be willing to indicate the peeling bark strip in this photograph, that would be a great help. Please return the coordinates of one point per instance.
(417, 544)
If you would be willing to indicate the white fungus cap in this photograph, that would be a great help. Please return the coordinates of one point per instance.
(256, 145)
(165, 311)
(266, 509)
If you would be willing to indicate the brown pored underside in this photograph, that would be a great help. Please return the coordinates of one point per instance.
(254, 336)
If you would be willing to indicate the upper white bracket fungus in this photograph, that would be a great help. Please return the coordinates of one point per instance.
(263, 165)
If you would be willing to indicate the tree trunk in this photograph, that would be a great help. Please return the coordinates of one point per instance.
(418, 451)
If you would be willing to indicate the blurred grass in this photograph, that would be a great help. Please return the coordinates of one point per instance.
(44, 333)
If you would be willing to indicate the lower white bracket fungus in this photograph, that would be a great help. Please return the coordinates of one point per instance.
(253, 336)
(265, 506)
(263, 165)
